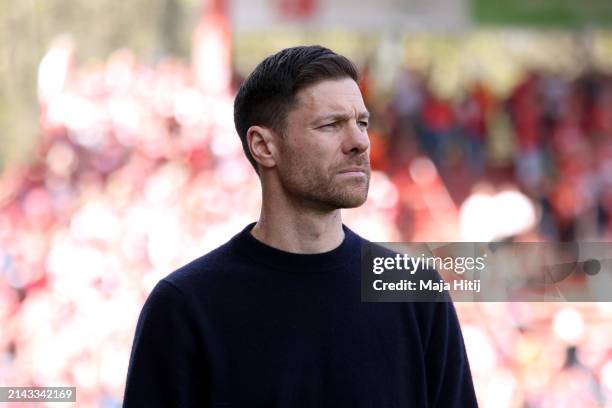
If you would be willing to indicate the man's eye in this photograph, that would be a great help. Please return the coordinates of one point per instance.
(330, 125)
(364, 124)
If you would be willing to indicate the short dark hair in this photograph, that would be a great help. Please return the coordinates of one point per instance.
(269, 93)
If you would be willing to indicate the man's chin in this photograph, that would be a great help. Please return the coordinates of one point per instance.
(334, 199)
(352, 200)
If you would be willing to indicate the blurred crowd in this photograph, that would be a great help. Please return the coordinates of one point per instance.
(550, 138)
(139, 171)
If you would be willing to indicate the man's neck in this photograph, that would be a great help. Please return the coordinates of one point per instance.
(302, 231)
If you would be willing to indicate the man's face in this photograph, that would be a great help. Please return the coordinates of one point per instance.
(325, 151)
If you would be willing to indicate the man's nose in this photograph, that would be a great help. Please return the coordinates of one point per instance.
(357, 140)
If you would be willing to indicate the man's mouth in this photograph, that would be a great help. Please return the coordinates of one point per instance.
(355, 171)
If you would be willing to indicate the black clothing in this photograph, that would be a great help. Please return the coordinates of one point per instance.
(248, 325)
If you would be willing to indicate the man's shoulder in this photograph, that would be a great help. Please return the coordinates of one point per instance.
(201, 271)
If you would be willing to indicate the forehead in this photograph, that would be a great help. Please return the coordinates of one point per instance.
(342, 95)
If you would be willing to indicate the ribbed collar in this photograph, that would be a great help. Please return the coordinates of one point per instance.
(257, 251)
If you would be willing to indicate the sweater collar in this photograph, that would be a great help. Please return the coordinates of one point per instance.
(262, 253)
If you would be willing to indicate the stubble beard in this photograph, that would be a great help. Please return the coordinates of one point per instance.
(326, 191)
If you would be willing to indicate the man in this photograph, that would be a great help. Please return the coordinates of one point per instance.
(274, 318)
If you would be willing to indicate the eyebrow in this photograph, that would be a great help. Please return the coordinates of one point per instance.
(341, 117)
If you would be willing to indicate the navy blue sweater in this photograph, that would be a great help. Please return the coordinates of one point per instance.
(248, 325)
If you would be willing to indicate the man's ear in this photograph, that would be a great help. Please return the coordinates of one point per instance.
(262, 144)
